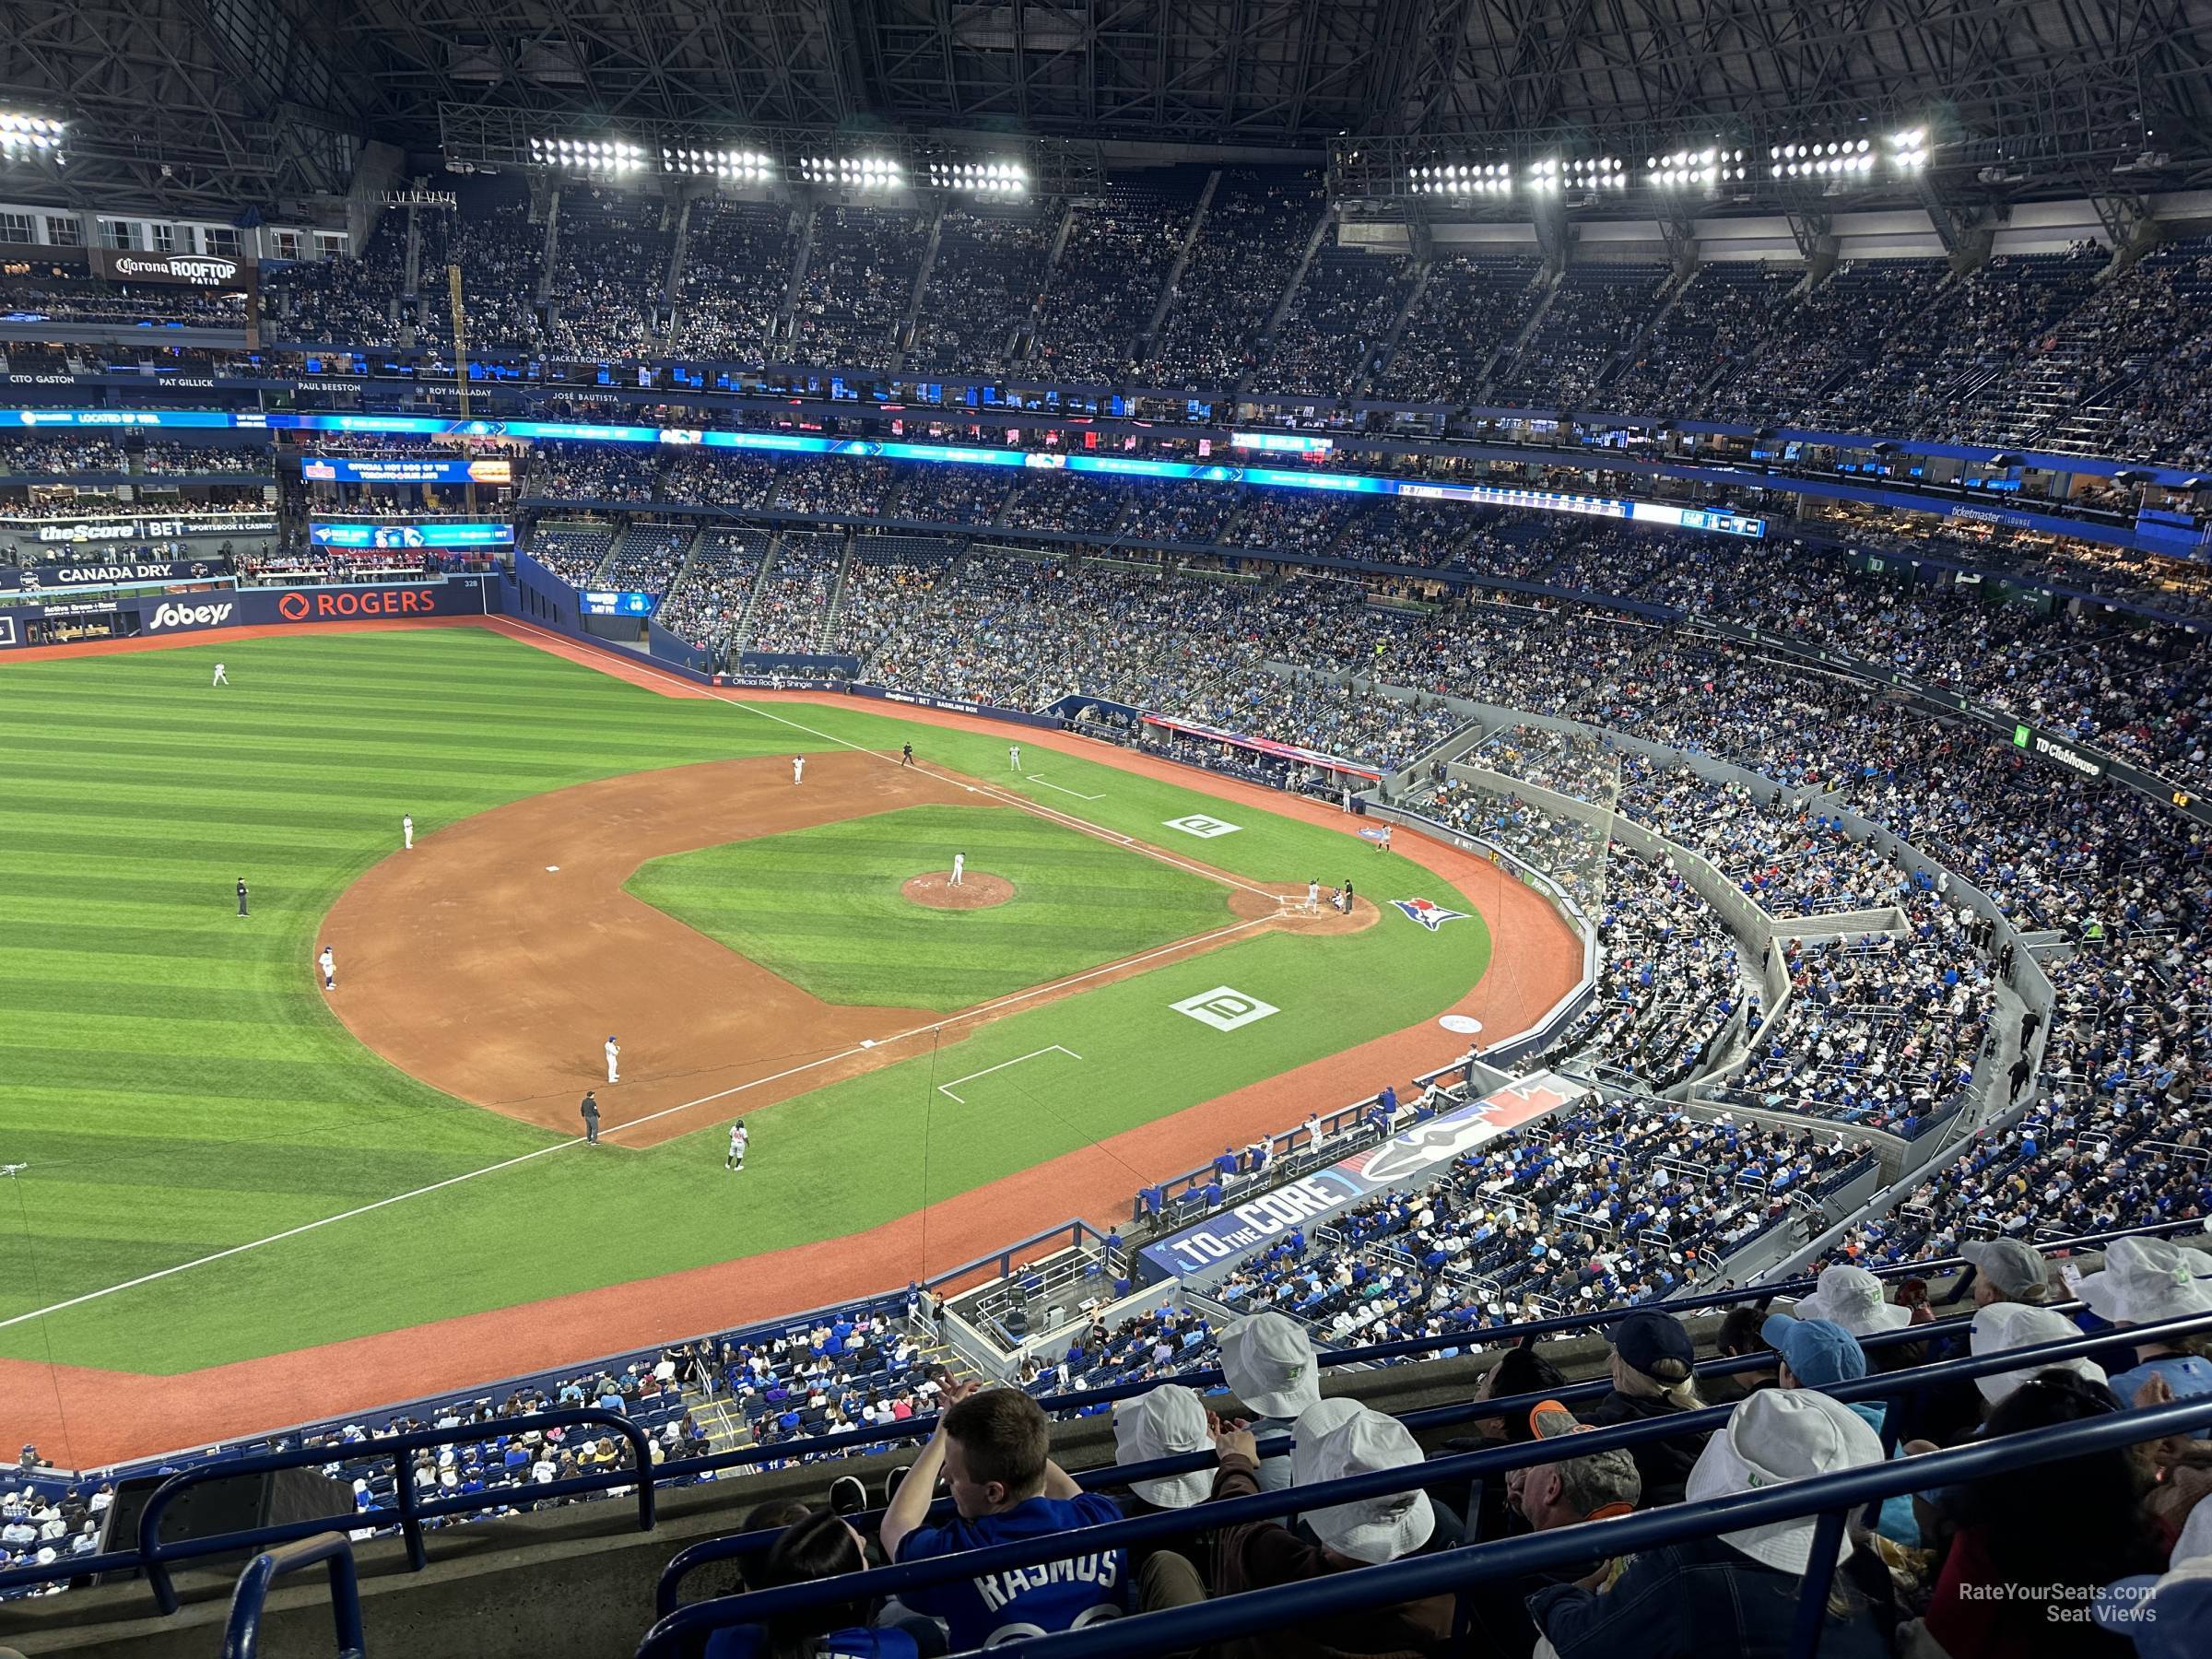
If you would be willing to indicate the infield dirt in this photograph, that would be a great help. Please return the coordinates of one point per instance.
(494, 959)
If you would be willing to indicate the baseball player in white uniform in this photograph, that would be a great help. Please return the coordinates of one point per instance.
(798, 768)
(1014, 756)
(406, 832)
(738, 1137)
(220, 677)
(959, 864)
(614, 1054)
(1312, 897)
(329, 964)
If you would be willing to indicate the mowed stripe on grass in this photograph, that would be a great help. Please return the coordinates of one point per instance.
(824, 906)
(177, 1086)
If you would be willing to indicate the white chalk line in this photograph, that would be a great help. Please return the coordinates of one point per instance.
(1048, 783)
(947, 1089)
(1008, 797)
(708, 1100)
(964, 1016)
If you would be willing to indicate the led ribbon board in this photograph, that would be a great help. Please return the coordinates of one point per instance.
(1265, 477)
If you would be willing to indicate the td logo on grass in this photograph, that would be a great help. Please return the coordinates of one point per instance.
(1224, 1008)
(1203, 827)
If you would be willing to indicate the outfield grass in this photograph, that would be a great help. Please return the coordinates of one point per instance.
(177, 1087)
(823, 906)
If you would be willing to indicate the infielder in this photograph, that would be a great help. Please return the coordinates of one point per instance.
(798, 768)
(960, 862)
(738, 1137)
(614, 1054)
(220, 677)
(406, 832)
(1014, 756)
(329, 964)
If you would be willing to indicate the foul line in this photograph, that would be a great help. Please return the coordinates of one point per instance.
(706, 1099)
(1007, 797)
(945, 1088)
(1047, 783)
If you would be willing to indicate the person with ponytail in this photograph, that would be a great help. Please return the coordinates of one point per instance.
(1651, 1377)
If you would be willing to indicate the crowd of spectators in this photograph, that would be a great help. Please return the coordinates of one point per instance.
(1338, 319)
(1595, 314)
(1473, 306)
(794, 600)
(1255, 232)
(44, 455)
(738, 259)
(988, 269)
(610, 272)
(1109, 278)
(708, 603)
(860, 278)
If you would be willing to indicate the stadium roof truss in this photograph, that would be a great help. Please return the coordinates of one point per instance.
(263, 98)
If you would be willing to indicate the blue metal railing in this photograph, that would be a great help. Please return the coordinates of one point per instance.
(241, 1635)
(1164, 1527)
(151, 1556)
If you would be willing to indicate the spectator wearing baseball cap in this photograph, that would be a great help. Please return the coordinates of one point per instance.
(2142, 1282)
(2007, 1270)
(1344, 1440)
(1269, 1364)
(1817, 1354)
(1566, 1492)
(1652, 1361)
(1734, 1595)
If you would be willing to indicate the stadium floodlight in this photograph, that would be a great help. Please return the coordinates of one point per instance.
(1710, 166)
(1461, 179)
(24, 134)
(1837, 161)
(1908, 150)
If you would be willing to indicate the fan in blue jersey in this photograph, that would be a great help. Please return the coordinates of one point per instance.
(994, 1448)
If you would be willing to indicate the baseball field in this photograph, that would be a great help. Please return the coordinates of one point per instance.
(231, 1187)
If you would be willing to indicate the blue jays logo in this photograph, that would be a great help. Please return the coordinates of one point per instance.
(1430, 916)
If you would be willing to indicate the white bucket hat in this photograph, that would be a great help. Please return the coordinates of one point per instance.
(1852, 1297)
(1775, 1437)
(1372, 1529)
(2003, 1325)
(1268, 1361)
(1162, 1423)
(2144, 1280)
(1321, 1417)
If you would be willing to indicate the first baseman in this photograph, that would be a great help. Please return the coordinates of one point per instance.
(614, 1054)
(798, 768)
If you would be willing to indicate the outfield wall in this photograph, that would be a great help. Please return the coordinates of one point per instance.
(210, 610)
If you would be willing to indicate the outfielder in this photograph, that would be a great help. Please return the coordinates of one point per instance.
(406, 832)
(614, 1054)
(1014, 756)
(959, 864)
(739, 1134)
(220, 677)
(329, 964)
(798, 768)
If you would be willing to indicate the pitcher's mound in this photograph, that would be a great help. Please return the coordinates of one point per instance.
(976, 891)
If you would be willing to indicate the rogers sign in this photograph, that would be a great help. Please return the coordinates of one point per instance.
(331, 605)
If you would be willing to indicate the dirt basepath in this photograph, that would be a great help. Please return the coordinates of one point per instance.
(89, 1418)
